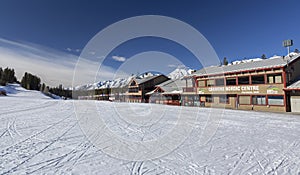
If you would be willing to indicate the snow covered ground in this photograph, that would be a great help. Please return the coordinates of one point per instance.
(42, 136)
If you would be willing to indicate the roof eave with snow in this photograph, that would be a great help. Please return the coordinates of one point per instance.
(273, 62)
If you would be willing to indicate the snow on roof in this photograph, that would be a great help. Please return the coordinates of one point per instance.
(172, 92)
(143, 80)
(174, 82)
(272, 62)
(170, 86)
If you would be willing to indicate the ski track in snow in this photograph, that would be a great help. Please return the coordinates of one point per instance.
(42, 136)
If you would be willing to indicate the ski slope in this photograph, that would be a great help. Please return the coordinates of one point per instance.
(39, 135)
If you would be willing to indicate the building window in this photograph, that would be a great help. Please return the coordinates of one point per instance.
(195, 97)
(274, 78)
(244, 100)
(220, 82)
(258, 79)
(230, 81)
(196, 100)
(201, 83)
(175, 97)
(210, 82)
(133, 83)
(223, 99)
(133, 90)
(243, 80)
(259, 100)
(276, 100)
(209, 99)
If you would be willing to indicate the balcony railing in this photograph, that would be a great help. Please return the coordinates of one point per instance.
(189, 89)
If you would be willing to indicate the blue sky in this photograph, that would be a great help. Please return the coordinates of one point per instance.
(236, 29)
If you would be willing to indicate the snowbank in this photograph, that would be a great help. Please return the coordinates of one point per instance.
(15, 90)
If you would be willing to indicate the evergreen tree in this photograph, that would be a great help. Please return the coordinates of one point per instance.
(43, 87)
(263, 57)
(1, 73)
(225, 62)
(31, 82)
(296, 51)
(24, 81)
(7, 76)
(60, 91)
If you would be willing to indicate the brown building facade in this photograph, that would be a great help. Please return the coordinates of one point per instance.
(138, 88)
(257, 85)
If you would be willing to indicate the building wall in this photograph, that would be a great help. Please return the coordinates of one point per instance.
(232, 104)
(234, 91)
(217, 104)
(293, 71)
(292, 74)
(295, 103)
(144, 88)
(294, 100)
(150, 86)
(133, 99)
(262, 108)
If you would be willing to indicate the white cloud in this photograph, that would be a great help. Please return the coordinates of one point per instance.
(177, 66)
(73, 50)
(119, 58)
(92, 52)
(172, 65)
(52, 66)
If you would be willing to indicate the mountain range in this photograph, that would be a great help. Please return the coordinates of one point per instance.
(179, 72)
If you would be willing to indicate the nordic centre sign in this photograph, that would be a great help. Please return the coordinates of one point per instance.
(234, 88)
(243, 89)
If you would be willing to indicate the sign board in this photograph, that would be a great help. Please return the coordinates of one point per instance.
(243, 89)
(287, 43)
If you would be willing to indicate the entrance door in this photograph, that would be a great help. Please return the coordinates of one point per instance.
(295, 103)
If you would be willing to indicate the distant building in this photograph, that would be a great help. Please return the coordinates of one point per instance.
(168, 92)
(138, 88)
(293, 95)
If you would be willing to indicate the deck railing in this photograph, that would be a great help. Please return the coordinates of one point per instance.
(189, 89)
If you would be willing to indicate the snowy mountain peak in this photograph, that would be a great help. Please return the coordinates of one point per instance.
(147, 74)
(121, 82)
(180, 72)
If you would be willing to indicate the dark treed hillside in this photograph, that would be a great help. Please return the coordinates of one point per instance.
(31, 82)
(60, 91)
(7, 76)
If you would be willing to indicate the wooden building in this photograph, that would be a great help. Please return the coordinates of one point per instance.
(168, 92)
(254, 85)
(293, 97)
(138, 88)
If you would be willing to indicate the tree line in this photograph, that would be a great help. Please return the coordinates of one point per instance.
(61, 91)
(31, 82)
(7, 76)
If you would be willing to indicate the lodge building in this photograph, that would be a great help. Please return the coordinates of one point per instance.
(138, 88)
(255, 85)
(168, 92)
(260, 84)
